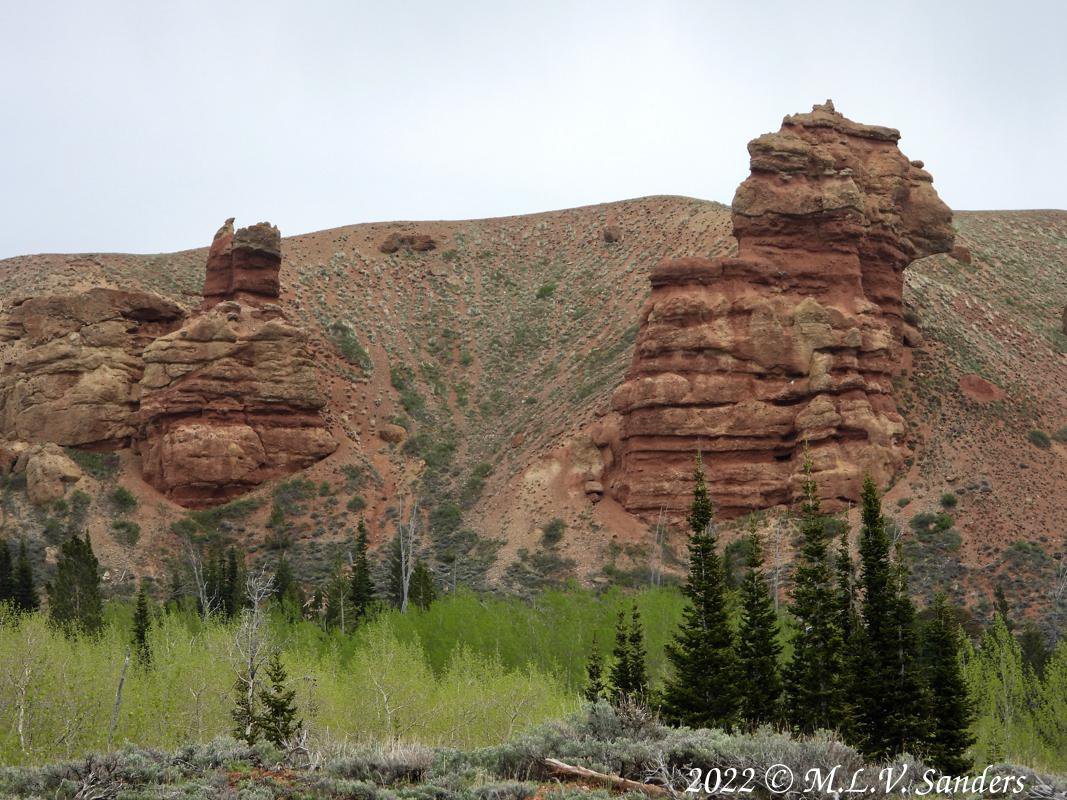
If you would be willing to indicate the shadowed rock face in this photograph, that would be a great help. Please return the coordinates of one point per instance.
(793, 340)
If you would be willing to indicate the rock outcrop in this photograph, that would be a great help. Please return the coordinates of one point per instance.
(416, 242)
(244, 266)
(215, 403)
(228, 401)
(73, 363)
(795, 340)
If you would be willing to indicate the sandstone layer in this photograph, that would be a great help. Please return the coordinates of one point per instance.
(73, 365)
(215, 403)
(795, 340)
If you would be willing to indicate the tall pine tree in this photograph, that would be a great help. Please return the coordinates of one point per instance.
(74, 602)
(142, 620)
(635, 639)
(594, 674)
(758, 648)
(814, 682)
(702, 690)
(362, 590)
(7, 574)
(950, 709)
(24, 592)
(423, 590)
(277, 722)
(886, 685)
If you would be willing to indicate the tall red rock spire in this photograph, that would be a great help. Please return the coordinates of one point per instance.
(793, 340)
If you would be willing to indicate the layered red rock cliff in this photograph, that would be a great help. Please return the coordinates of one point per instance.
(215, 403)
(795, 340)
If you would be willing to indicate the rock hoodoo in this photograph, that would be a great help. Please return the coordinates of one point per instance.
(795, 339)
(215, 403)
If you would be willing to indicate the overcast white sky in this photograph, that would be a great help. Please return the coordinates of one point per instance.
(140, 126)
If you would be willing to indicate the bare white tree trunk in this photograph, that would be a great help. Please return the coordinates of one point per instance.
(196, 569)
(118, 701)
(251, 639)
(409, 543)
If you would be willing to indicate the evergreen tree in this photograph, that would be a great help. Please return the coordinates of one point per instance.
(950, 710)
(594, 671)
(395, 573)
(887, 690)
(7, 575)
(283, 579)
(74, 602)
(24, 590)
(277, 722)
(246, 720)
(422, 590)
(1000, 607)
(141, 621)
(622, 684)
(362, 591)
(1035, 650)
(702, 691)
(232, 591)
(814, 681)
(846, 588)
(635, 640)
(758, 648)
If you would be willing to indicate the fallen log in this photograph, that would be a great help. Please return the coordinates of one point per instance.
(560, 769)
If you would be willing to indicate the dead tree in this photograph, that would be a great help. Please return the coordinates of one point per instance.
(408, 533)
(251, 646)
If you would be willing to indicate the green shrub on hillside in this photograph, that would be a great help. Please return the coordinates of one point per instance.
(101, 466)
(1039, 439)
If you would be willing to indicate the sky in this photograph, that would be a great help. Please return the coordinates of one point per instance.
(140, 126)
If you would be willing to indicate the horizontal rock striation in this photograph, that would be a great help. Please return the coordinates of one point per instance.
(215, 403)
(73, 365)
(795, 340)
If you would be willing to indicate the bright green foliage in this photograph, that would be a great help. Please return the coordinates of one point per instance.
(1004, 696)
(277, 722)
(142, 620)
(760, 683)
(814, 677)
(361, 593)
(594, 671)
(949, 709)
(702, 690)
(24, 589)
(74, 602)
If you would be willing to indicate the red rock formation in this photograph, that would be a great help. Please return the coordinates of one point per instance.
(243, 266)
(232, 398)
(419, 243)
(795, 339)
(73, 363)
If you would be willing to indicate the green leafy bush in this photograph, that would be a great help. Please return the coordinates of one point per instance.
(552, 532)
(101, 466)
(123, 500)
(949, 500)
(1039, 439)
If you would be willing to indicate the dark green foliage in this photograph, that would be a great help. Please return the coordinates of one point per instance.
(629, 675)
(1000, 606)
(950, 712)
(361, 593)
(7, 574)
(949, 500)
(277, 722)
(74, 602)
(594, 673)
(701, 692)
(231, 585)
(759, 684)
(546, 290)
(403, 380)
(1039, 439)
(356, 503)
(142, 620)
(1035, 649)
(126, 532)
(930, 522)
(123, 500)
(887, 692)
(24, 589)
(422, 591)
(101, 466)
(552, 532)
(814, 678)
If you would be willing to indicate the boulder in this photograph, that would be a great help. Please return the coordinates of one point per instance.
(48, 473)
(391, 433)
(419, 243)
(793, 342)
